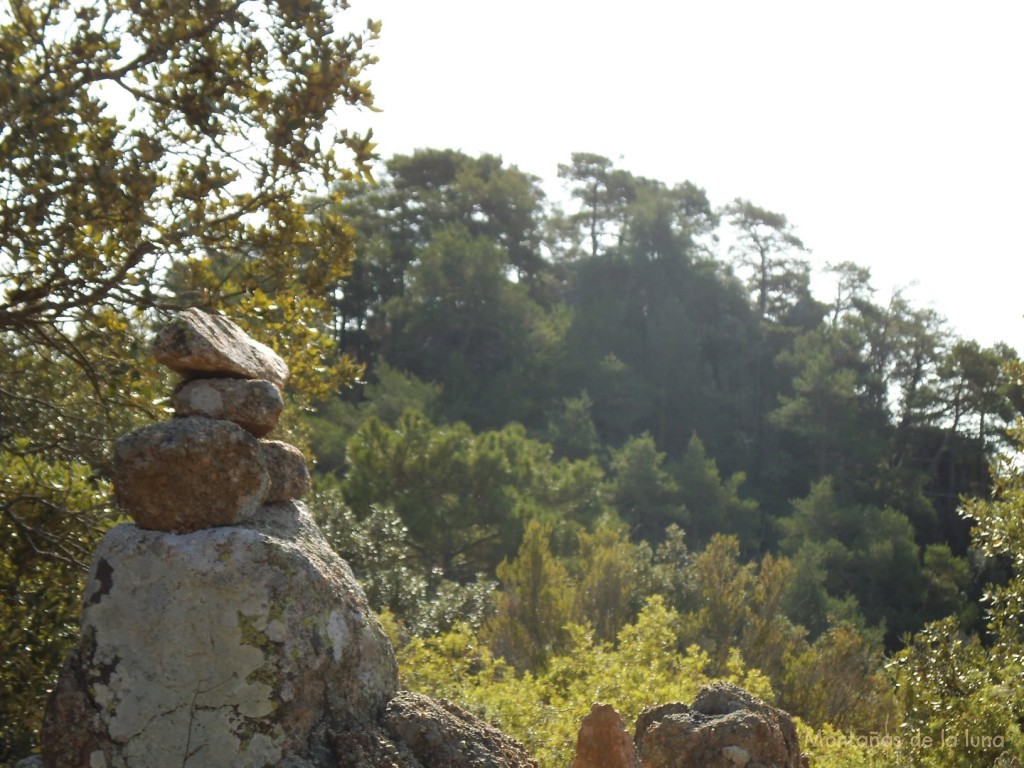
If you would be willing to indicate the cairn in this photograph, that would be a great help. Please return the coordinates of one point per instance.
(209, 466)
(220, 629)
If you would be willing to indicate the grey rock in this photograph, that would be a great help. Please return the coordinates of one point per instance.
(441, 735)
(35, 761)
(603, 741)
(237, 646)
(188, 474)
(255, 406)
(725, 727)
(289, 475)
(198, 345)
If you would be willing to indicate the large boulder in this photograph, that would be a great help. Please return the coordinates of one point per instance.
(200, 345)
(189, 473)
(238, 646)
(725, 727)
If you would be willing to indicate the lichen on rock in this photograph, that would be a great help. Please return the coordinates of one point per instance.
(236, 660)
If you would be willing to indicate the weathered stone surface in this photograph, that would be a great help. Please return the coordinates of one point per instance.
(255, 406)
(198, 345)
(725, 727)
(35, 761)
(603, 741)
(441, 735)
(237, 646)
(289, 476)
(189, 473)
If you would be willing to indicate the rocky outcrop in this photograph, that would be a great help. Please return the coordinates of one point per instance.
(289, 476)
(221, 629)
(441, 735)
(603, 741)
(725, 727)
(234, 646)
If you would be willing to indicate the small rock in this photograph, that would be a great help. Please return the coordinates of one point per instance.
(197, 345)
(440, 734)
(289, 476)
(255, 406)
(603, 741)
(190, 473)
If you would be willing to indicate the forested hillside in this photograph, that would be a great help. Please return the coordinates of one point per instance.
(615, 364)
(586, 426)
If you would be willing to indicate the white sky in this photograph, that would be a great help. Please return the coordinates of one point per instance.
(889, 133)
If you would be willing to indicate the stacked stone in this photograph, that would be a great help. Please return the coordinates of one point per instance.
(210, 466)
(248, 642)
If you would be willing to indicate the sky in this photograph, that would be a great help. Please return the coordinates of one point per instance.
(891, 134)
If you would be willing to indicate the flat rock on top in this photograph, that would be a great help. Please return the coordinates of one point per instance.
(196, 345)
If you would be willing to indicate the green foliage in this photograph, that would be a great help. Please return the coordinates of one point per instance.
(780, 283)
(963, 701)
(387, 394)
(461, 320)
(150, 159)
(714, 505)
(571, 429)
(867, 552)
(535, 606)
(645, 494)
(838, 681)
(613, 576)
(465, 498)
(544, 709)
(51, 518)
(962, 694)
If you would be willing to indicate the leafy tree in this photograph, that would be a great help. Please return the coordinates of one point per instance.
(869, 552)
(839, 681)
(544, 710)
(838, 429)
(611, 573)
(150, 158)
(58, 510)
(386, 395)
(778, 281)
(535, 605)
(418, 197)
(714, 505)
(571, 430)
(461, 320)
(465, 497)
(604, 194)
(646, 496)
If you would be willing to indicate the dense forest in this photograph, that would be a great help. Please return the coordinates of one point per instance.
(592, 417)
(606, 447)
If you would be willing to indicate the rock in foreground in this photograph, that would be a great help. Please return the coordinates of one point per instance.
(725, 727)
(441, 735)
(237, 646)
